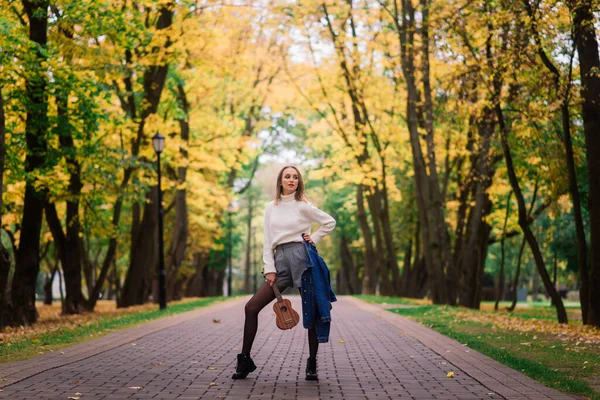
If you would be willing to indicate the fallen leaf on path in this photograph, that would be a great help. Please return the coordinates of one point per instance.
(216, 321)
(212, 368)
(450, 374)
(156, 365)
(412, 356)
(135, 387)
(342, 341)
(213, 384)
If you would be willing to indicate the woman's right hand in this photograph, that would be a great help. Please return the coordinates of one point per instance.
(270, 277)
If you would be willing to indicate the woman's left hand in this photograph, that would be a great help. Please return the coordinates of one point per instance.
(307, 238)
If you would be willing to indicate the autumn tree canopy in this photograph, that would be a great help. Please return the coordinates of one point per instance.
(452, 141)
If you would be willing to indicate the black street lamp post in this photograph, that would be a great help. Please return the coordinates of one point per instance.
(229, 211)
(158, 142)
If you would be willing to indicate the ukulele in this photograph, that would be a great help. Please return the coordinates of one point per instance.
(285, 316)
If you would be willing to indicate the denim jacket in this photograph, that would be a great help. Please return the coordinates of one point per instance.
(317, 294)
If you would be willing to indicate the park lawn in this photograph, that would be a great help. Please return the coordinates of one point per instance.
(566, 358)
(53, 331)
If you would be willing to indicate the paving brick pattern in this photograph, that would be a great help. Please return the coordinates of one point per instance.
(372, 354)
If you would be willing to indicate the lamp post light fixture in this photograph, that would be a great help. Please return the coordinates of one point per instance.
(158, 141)
(230, 209)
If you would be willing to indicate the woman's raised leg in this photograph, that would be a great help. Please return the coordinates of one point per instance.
(263, 296)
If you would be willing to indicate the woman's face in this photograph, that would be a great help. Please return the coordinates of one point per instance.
(289, 180)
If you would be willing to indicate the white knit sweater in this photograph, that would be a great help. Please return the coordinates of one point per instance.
(287, 221)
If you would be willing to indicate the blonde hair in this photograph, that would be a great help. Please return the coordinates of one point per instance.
(299, 196)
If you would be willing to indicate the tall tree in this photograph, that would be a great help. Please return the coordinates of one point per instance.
(434, 231)
(564, 96)
(589, 65)
(5, 315)
(143, 259)
(523, 222)
(28, 254)
(177, 249)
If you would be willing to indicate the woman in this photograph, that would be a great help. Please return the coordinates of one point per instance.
(287, 219)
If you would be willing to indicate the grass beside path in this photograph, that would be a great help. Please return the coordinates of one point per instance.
(529, 340)
(54, 332)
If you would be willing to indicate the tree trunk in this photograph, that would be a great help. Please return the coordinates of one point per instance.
(28, 258)
(437, 206)
(483, 251)
(383, 273)
(369, 281)
(112, 249)
(589, 64)
(111, 280)
(5, 307)
(391, 260)
(142, 267)
(428, 207)
(523, 221)
(582, 259)
(406, 271)
(517, 275)
(195, 284)
(348, 282)
(584, 291)
(481, 175)
(154, 81)
(70, 259)
(500, 283)
(48, 281)
(69, 245)
(178, 246)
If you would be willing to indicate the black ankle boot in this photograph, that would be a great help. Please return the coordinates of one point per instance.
(311, 369)
(244, 366)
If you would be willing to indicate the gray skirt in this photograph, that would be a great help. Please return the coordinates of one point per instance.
(290, 263)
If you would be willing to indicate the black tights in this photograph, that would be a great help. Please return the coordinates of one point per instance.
(262, 298)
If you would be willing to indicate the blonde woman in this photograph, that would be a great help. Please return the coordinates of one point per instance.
(287, 220)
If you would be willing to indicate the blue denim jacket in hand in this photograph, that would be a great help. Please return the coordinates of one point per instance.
(317, 294)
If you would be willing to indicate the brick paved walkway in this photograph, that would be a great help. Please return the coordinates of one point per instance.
(372, 354)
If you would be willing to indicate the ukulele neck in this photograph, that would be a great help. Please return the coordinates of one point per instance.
(277, 293)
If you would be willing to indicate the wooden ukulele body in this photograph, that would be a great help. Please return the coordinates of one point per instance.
(285, 316)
